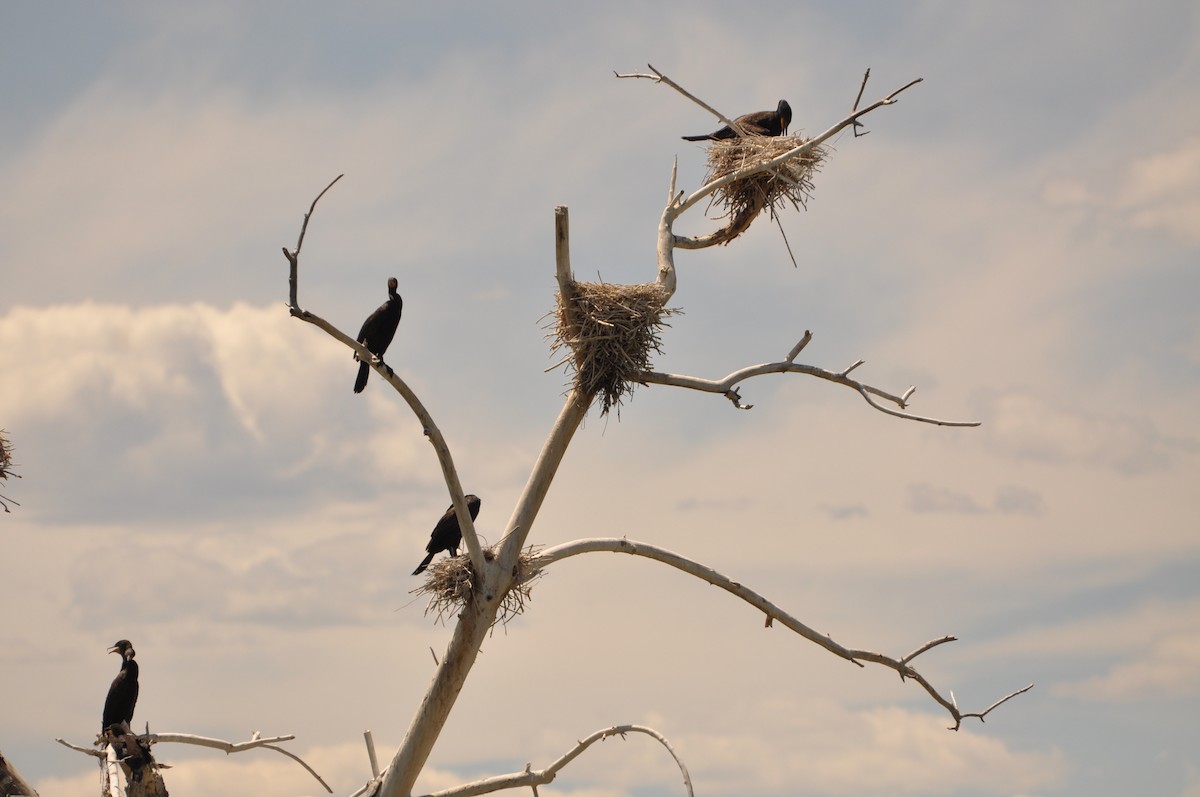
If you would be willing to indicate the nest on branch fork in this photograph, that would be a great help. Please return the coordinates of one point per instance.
(450, 584)
(743, 199)
(611, 331)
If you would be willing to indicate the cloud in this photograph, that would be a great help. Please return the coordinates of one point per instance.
(927, 498)
(1146, 652)
(1159, 192)
(1165, 668)
(147, 410)
(1010, 500)
(1025, 426)
(895, 751)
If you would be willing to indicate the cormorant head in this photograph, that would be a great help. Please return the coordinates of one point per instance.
(785, 114)
(393, 285)
(124, 648)
(473, 503)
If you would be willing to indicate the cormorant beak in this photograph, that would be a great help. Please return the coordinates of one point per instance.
(114, 649)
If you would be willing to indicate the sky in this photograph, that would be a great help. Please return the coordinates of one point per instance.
(1018, 237)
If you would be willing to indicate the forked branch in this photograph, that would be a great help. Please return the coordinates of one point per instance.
(728, 386)
(533, 778)
(659, 77)
(449, 472)
(902, 666)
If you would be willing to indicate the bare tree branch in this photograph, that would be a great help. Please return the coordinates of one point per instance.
(255, 742)
(293, 257)
(110, 782)
(727, 386)
(478, 616)
(540, 777)
(613, 545)
(659, 77)
(465, 523)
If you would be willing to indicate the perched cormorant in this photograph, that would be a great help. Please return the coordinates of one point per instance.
(759, 123)
(446, 534)
(123, 694)
(378, 330)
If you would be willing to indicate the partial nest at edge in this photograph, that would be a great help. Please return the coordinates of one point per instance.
(611, 331)
(5, 455)
(743, 199)
(449, 584)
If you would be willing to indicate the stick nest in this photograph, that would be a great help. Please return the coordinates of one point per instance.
(5, 456)
(450, 585)
(743, 199)
(611, 331)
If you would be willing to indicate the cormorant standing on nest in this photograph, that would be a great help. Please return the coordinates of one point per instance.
(759, 123)
(378, 330)
(123, 694)
(446, 534)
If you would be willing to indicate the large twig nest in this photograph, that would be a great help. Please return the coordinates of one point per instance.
(611, 331)
(450, 583)
(743, 199)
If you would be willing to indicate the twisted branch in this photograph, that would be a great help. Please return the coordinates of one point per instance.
(727, 386)
(540, 777)
(772, 612)
(434, 435)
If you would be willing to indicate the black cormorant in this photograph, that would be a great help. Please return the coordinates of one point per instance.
(446, 534)
(378, 330)
(759, 123)
(123, 694)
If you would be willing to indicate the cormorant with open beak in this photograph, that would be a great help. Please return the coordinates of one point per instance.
(123, 694)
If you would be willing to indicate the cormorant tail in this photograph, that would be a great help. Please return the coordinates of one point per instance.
(424, 564)
(364, 371)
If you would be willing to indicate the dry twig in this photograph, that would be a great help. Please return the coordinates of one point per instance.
(727, 386)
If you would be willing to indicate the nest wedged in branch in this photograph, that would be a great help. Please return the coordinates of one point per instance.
(743, 199)
(611, 331)
(450, 583)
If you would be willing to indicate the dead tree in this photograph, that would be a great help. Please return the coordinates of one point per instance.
(609, 334)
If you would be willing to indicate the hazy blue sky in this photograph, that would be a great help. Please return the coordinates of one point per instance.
(1018, 236)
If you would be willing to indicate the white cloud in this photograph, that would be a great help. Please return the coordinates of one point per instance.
(141, 400)
(893, 751)
(1148, 652)
(1158, 192)
(1026, 426)
(1166, 667)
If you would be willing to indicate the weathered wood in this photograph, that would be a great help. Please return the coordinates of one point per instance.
(11, 782)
